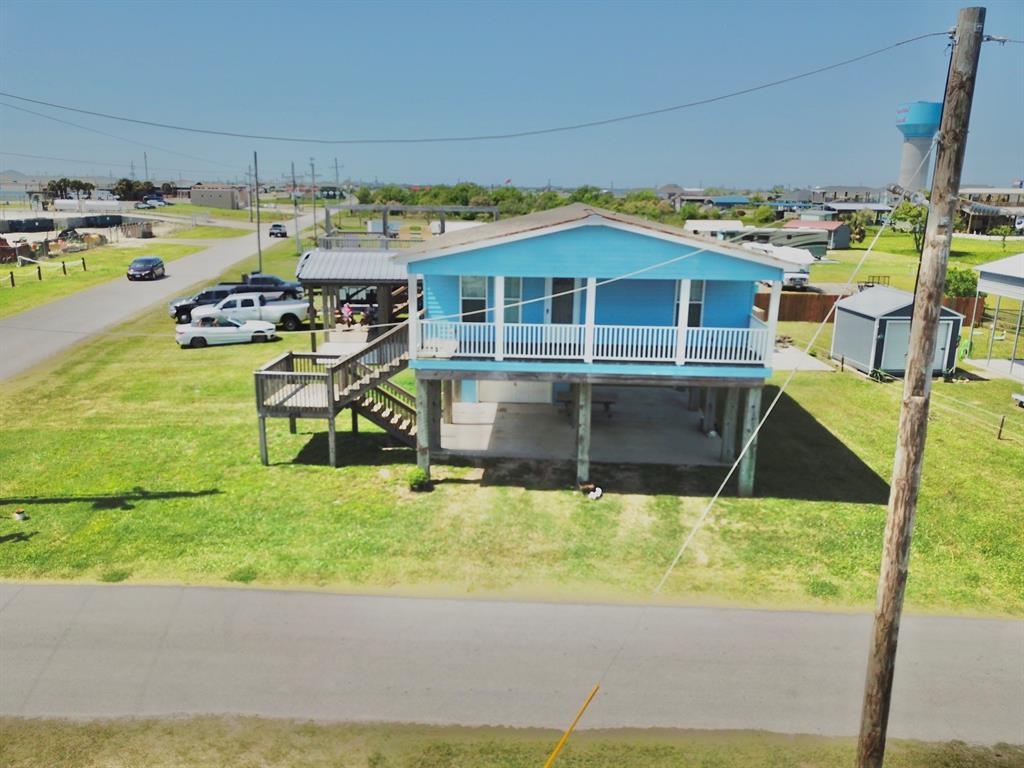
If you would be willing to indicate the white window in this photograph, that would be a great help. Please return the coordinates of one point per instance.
(696, 311)
(514, 297)
(473, 299)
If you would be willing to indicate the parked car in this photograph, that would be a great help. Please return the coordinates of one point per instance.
(254, 306)
(69, 234)
(259, 281)
(278, 230)
(223, 330)
(181, 308)
(142, 204)
(146, 268)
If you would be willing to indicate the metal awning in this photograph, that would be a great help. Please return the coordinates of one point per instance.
(361, 266)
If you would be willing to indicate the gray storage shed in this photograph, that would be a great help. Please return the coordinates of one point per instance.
(872, 332)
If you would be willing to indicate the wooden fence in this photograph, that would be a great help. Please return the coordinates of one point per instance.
(815, 307)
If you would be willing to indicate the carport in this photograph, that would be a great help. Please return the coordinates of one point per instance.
(1003, 278)
(366, 276)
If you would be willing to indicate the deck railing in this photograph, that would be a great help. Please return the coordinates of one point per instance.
(619, 343)
(351, 241)
(318, 384)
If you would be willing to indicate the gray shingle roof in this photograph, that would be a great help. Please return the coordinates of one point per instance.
(356, 266)
(881, 301)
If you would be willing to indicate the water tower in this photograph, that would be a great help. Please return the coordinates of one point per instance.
(918, 121)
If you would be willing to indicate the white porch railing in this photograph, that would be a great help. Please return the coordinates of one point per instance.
(621, 343)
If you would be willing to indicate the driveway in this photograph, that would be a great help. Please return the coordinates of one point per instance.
(31, 337)
(110, 651)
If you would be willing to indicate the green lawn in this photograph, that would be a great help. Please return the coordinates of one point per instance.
(209, 233)
(237, 742)
(102, 264)
(149, 471)
(187, 209)
(896, 257)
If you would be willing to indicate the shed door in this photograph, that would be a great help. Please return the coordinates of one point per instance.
(897, 342)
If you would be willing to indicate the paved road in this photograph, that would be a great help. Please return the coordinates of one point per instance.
(84, 651)
(31, 337)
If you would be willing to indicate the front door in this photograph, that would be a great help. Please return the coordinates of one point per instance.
(562, 306)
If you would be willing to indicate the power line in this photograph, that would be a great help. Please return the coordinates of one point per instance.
(491, 136)
(103, 163)
(114, 136)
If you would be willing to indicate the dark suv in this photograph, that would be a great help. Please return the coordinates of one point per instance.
(289, 290)
(181, 308)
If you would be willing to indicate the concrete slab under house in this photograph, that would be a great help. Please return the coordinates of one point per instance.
(569, 333)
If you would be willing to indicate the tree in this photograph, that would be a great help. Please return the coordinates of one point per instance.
(859, 222)
(59, 189)
(81, 189)
(763, 215)
(913, 217)
(1003, 230)
(592, 196)
(124, 189)
(961, 282)
(364, 195)
(167, 188)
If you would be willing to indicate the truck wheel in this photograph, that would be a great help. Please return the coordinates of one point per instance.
(197, 343)
(291, 323)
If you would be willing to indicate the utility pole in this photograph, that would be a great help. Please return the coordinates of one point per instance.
(248, 186)
(910, 439)
(337, 182)
(312, 191)
(256, 177)
(133, 169)
(295, 206)
(145, 165)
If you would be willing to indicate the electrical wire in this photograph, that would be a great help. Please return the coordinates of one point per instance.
(95, 162)
(491, 136)
(115, 136)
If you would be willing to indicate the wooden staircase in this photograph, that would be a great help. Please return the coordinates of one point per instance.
(369, 392)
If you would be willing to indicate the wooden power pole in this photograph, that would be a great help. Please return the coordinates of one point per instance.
(910, 440)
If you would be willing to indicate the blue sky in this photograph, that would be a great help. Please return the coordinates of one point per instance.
(400, 69)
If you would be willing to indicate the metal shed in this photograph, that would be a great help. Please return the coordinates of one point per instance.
(1003, 277)
(872, 332)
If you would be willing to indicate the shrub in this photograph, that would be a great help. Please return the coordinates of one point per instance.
(961, 282)
(419, 480)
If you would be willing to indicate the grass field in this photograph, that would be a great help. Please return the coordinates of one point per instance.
(242, 214)
(896, 257)
(148, 471)
(102, 264)
(209, 233)
(246, 741)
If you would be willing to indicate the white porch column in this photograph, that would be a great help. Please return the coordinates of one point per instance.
(499, 317)
(414, 319)
(591, 314)
(682, 321)
(773, 320)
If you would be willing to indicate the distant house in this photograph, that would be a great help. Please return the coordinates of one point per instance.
(838, 231)
(679, 196)
(844, 194)
(872, 332)
(550, 306)
(728, 201)
(219, 196)
(992, 207)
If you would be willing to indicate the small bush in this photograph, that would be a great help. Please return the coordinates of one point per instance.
(115, 575)
(244, 575)
(822, 588)
(419, 480)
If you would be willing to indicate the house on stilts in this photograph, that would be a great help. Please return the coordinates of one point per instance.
(569, 333)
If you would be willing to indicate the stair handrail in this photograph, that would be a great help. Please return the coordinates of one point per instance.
(340, 371)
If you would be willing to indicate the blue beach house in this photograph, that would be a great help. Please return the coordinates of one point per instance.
(544, 308)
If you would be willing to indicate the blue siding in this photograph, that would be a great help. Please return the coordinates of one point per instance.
(728, 304)
(636, 302)
(441, 295)
(467, 391)
(533, 288)
(594, 250)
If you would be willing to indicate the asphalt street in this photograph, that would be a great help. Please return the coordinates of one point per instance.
(120, 650)
(30, 337)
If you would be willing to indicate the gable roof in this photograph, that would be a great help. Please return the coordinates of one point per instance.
(570, 217)
(362, 265)
(882, 300)
(812, 224)
(1010, 266)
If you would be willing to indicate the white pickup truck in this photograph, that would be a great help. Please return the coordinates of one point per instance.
(254, 306)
